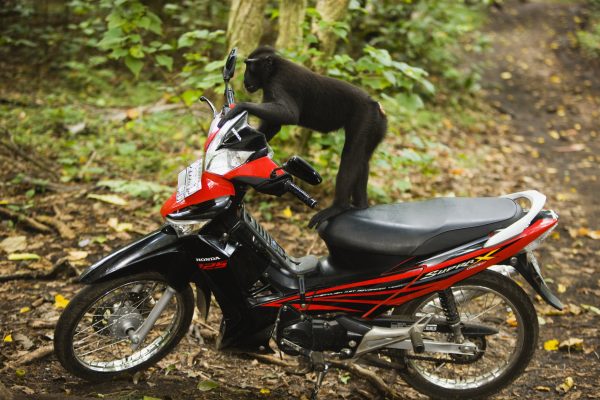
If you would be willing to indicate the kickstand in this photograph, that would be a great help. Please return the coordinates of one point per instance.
(321, 367)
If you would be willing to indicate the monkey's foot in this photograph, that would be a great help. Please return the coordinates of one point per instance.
(325, 214)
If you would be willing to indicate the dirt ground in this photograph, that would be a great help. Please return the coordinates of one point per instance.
(546, 98)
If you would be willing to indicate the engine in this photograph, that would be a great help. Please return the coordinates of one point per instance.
(340, 334)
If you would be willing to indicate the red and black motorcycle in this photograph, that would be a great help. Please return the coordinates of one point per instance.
(422, 287)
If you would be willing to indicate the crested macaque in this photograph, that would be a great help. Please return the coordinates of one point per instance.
(294, 95)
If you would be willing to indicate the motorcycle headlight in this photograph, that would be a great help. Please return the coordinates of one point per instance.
(187, 228)
(222, 161)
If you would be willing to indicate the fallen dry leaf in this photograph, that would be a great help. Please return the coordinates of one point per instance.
(566, 385)
(593, 309)
(60, 301)
(8, 338)
(575, 344)
(119, 226)
(287, 212)
(542, 388)
(551, 345)
(511, 320)
(561, 288)
(506, 75)
(109, 198)
(76, 255)
(570, 148)
(13, 244)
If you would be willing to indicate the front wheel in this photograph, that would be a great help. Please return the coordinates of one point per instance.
(488, 299)
(91, 338)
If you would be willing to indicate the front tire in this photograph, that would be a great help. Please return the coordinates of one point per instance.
(90, 339)
(517, 323)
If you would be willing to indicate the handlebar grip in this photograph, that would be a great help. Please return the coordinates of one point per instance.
(301, 194)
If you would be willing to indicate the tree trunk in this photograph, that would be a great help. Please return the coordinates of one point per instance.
(291, 17)
(245, 25)
(331, 11)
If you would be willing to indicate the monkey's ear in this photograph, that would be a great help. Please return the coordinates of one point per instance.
(269, 60)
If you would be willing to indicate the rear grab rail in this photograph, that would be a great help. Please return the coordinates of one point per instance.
(537, 201)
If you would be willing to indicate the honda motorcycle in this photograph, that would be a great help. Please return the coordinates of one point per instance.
(423, 288)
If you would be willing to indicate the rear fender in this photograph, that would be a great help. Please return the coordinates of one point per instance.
(162, 251)
(527, 267)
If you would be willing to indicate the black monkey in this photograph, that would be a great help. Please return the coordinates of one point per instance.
(294, 95)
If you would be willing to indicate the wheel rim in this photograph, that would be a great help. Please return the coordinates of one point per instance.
(100, 341)
(479, 305)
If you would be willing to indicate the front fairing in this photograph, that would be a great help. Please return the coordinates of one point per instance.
(234, 150)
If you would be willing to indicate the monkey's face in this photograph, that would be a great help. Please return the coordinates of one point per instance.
(258, 72)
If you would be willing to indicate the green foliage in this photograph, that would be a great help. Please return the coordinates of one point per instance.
(137, 188)
(589, 40)
(433, 34)
(395, 50)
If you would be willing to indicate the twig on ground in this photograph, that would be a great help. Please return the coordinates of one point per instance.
(13, 148)
(62, 266)
(30, 222)
(368, 375)
(51, 186)
(207, 326)
(354, 369)
(87, 165)
(63, 230)
(42, 323)
(37, 354)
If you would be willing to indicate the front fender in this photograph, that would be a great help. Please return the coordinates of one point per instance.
(160, 250)
(155, 244)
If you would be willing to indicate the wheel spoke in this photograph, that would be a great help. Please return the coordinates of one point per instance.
(100, 339)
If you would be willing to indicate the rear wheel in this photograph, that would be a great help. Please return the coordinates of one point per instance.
(489, 299)
(91, 338)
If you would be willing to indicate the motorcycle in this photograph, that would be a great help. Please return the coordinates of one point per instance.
(424, 288)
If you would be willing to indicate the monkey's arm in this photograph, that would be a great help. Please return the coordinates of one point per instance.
(275, 113)
(269, 129)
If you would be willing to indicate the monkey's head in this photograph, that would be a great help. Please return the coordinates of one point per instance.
(260, 65)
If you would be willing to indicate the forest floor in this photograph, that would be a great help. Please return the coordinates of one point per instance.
(542, 135)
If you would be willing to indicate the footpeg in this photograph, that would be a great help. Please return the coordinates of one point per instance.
(416, 338)
(416, 334)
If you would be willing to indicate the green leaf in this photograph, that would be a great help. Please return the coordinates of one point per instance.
(150, 398)
(23, 257)
(165, 61)
(127, 148)
(136, 51)
(207, 385)
(135, 65)
(190, 96)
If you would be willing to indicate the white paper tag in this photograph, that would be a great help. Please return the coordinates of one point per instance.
(189, 180)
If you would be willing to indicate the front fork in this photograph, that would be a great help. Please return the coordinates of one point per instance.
(138, 335)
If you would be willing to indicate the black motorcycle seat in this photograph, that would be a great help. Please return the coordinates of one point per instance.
(419, 228)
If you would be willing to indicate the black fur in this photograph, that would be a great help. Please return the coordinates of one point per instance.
(294, 95)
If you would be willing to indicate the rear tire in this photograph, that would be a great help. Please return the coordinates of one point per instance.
(525, 316)
(88, 298)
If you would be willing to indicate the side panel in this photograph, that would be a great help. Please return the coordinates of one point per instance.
(368, 298)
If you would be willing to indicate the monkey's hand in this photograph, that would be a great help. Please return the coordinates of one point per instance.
(232, 113)
(326, 214)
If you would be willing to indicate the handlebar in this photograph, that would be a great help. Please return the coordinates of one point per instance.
(300, 194)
